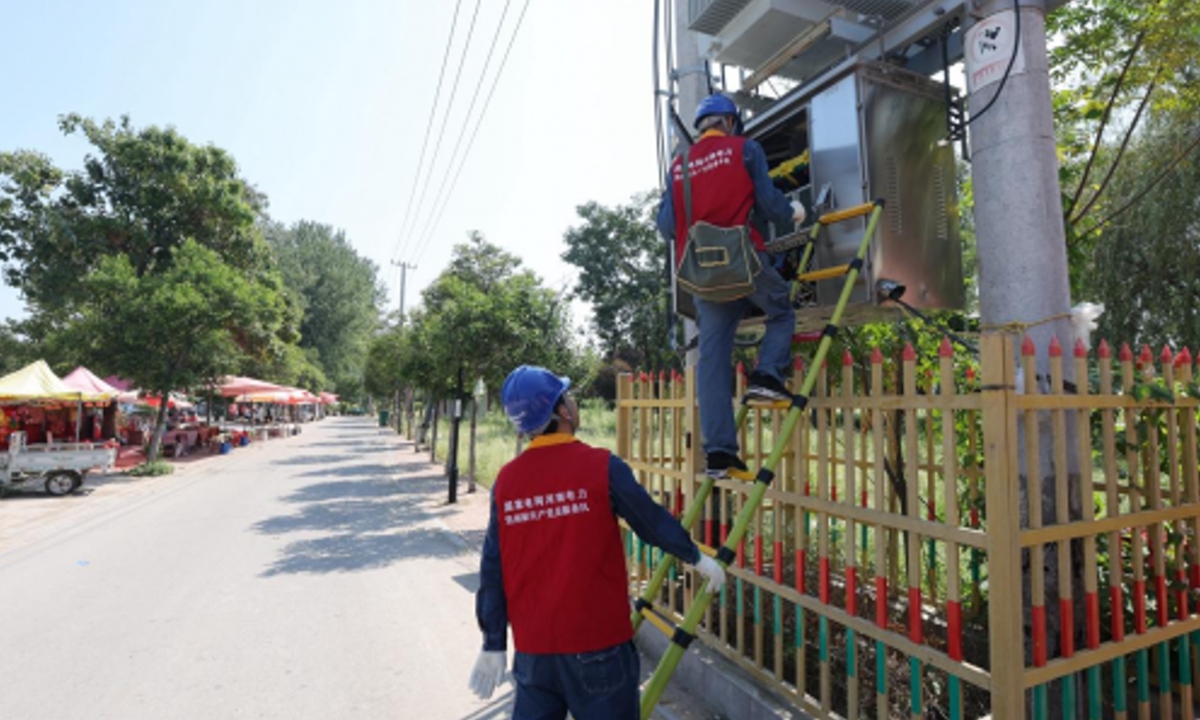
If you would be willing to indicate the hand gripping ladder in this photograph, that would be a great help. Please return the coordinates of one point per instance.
(683, 634)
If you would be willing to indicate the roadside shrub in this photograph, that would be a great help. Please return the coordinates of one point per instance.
(152, 469)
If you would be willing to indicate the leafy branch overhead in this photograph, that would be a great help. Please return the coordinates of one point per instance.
(623, 274)
(486, 314)
(1116, 67)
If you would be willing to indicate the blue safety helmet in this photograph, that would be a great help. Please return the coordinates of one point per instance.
(717, 105)
(529, 395)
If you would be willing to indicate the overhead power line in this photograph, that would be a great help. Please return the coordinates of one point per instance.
(428, 126)
(437, 145)
(475, 132)
(462, 132)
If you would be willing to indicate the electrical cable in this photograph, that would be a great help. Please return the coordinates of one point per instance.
(479, 122)
(1007, 71)
(487, 62)
(937, 325)
(428, 127)
(437, 146)
(662, 152)
(655, 66)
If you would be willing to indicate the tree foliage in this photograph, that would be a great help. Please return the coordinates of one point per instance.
(1145, 267)
(181, 327)
(1116, 66)
(140, 194)
(486, 314)
(339, 297)
(1127, 108)
(623, 275)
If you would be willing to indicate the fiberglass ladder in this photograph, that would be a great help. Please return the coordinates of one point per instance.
(683, 634)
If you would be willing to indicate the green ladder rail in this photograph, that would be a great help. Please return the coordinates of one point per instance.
(682, 635)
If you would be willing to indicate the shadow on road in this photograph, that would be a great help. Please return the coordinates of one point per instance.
(311, 460)
(357, 447)
(360, 518)
(377, 471)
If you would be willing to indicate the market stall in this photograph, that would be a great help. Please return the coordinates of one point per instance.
(99, 419)
(37, 402)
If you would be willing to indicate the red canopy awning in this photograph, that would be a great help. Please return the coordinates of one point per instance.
(83, 380)
(235, 385)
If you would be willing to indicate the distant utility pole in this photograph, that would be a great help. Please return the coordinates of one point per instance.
(404, 268)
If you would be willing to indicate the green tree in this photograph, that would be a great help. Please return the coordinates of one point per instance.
(1145, 266)
(623, 276)
(383, 369)
(487, 314)
(1116, 66)
(15, 351)
(141, 194)
(339, 294)
(181, 327)
(1127, 111)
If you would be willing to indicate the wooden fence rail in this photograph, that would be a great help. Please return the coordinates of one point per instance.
(902, 564)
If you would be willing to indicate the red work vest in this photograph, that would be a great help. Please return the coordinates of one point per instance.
(565, 580)
(722, 191)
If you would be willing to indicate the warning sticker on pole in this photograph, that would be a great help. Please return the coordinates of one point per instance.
(989, 49)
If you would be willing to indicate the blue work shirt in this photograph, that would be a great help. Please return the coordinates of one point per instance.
(630, 501)
(769, 202)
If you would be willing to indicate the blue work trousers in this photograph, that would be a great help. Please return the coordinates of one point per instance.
(600, 685)
(718, 323)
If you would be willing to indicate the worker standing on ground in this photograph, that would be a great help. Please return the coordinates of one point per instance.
(729, 180)
(553, 563)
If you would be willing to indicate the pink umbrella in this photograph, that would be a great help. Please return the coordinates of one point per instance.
(234, 385)
(83, 380)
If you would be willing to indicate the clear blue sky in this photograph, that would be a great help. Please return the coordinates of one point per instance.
(324, 105)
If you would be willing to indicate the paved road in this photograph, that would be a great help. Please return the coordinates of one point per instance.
(302, 578)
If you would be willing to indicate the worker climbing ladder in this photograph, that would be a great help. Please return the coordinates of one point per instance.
(682, 635)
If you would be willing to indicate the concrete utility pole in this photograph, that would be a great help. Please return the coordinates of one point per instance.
(689, 76)
(1023, 275)
(1018, 206)
(689, 70)
(404, 268)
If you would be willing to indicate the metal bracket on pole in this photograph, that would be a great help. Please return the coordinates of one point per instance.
(697, 69)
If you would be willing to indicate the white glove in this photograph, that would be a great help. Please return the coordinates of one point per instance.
(488, 672)
(798, 213)
(712, 571)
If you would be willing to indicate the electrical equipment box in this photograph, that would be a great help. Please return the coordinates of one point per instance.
(870, 131)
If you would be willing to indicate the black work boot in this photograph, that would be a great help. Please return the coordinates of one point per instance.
(762, 386)
(720, 463)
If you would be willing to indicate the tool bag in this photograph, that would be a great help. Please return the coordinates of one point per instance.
(719, 263)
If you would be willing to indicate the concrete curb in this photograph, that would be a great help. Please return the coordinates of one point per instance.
(717, 682)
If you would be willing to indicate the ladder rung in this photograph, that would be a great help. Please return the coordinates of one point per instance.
(770, 404)
(824, 273)
(838, 216)
(658, 622)
(743, 475)
(709, 551)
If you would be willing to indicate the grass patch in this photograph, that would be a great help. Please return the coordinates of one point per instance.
(496, 441)
(152, 469)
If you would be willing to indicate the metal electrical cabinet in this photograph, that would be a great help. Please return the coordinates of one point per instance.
(873, 131)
